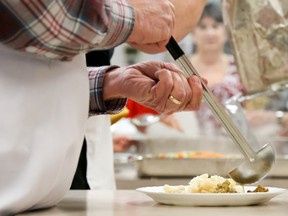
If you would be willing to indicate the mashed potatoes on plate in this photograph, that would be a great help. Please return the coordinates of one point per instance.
(206, 184)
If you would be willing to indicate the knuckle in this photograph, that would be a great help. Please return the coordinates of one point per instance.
(181, 95)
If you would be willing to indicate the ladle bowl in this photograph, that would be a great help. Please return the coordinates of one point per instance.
(146, 120)
(255, 169)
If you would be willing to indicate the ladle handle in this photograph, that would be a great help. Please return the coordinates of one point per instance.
(188, 69)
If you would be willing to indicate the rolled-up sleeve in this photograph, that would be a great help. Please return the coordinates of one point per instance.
(120, 25)
(97, 103)
(60, 29)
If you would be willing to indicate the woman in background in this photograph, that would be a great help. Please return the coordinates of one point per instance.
(211, 61)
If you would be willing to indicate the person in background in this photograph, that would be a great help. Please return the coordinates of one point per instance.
(210, 60)
(43, 73)
(214, 62)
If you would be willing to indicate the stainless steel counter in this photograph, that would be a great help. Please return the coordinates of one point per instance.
(131, 202)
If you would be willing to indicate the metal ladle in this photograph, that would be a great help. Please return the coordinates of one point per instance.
(146, 120)
(257, 164)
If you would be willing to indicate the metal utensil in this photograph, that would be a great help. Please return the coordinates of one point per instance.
(257, 164)
(146, 120)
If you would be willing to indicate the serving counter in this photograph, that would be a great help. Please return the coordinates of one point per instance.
(131, 202)
(127, 201)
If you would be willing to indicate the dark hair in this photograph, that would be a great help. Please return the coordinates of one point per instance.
(213, 11)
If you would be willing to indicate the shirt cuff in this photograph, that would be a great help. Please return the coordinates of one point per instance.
(97, 104)
(121, 23)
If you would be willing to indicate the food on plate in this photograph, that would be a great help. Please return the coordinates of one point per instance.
(206, 184)
(212, 184)
(190, 154)
(259, 188)
(175, 189)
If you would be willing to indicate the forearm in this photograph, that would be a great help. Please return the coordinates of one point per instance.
(187, 14)
(100, 102)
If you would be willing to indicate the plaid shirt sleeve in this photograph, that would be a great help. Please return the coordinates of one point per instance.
(97, 103)
(61, 29)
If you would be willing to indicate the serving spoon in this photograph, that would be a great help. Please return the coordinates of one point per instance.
(146, 119)
(257, 164)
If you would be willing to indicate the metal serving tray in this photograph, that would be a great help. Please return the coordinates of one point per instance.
(148, 164)
(190, 167)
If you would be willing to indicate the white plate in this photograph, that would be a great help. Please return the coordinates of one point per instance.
(211, 199)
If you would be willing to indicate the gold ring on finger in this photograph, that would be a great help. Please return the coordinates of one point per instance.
(174, 100)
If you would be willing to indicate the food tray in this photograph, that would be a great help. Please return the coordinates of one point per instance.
(189, 167)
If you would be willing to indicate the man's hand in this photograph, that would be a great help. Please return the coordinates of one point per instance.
(186, 12)
(154, 23)
(152, 84)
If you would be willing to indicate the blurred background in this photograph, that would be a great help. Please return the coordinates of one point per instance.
(149, 145)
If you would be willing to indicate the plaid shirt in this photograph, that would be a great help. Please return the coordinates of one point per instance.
(97, 104)
(61, 29)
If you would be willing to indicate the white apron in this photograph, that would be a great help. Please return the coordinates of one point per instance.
(43, 112)
(100, 161)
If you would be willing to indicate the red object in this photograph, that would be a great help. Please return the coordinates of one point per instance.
(136, 109)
